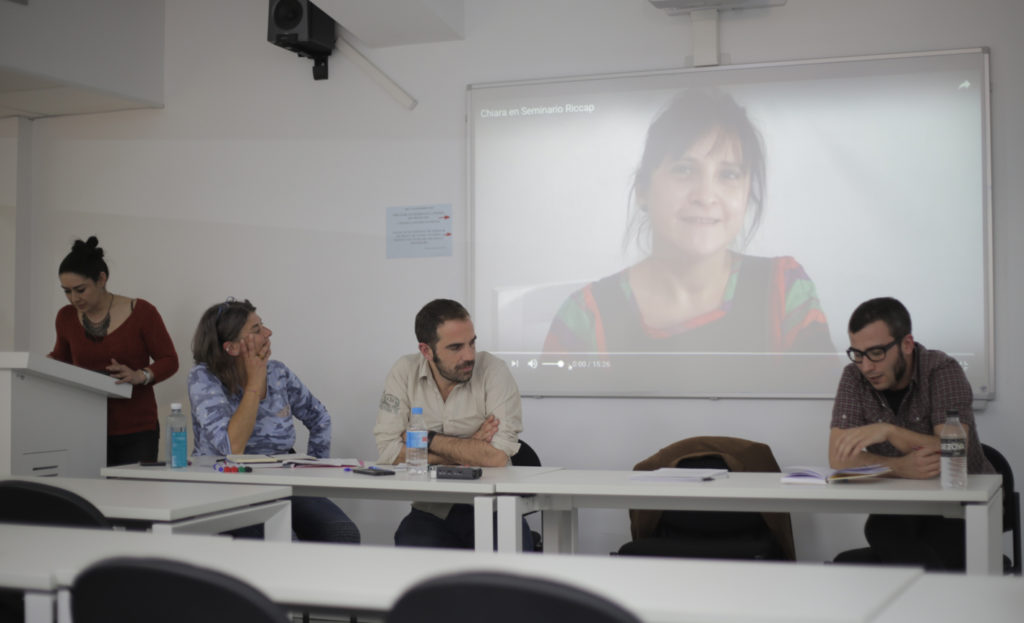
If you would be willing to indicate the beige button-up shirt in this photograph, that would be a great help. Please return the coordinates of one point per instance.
(490, 391)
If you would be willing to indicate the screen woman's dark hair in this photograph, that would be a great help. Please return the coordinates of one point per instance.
(888, 310)
(85, 259)
(433, 315)
(221, 323)
(686, 119)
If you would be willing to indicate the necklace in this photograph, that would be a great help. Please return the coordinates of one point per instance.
(97, 331)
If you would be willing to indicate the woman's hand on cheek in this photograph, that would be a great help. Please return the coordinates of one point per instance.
(251, 356)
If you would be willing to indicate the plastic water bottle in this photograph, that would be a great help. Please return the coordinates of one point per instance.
(416, 444)
(953, 442)
(177, 437)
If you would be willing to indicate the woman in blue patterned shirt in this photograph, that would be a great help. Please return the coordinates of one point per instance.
(243, 403)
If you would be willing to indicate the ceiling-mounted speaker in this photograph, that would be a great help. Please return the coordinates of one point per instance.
(301, 27)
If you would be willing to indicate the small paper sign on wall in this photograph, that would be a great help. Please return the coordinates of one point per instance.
(419, 231)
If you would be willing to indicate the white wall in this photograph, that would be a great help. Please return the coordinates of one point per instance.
(255, 181)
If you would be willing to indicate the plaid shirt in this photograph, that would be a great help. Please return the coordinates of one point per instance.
(938, 383)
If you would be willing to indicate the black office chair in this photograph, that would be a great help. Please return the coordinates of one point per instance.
(166, 591)
(505, 598)
(527, 457)
(1011, 519)
(1011, 506)
(708, 534)
(26, 501)
(711, 534)
(30, 502)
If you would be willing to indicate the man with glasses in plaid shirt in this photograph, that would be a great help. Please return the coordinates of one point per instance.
(889, 409)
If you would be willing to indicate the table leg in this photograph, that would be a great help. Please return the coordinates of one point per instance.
(560, 531)
(483, 523)
(983, 536)
(278, 527)
(64, 605)
(510, 533)
(39, 607)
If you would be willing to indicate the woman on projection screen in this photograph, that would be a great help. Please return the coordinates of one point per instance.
(697, 200)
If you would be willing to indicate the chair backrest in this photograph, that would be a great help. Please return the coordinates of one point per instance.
(998, 461)
(156, 590)
(503, 598)
(526, 457)
(738, 455)
(26, 501)
(1011, 502)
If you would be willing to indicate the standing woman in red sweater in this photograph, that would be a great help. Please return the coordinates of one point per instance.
(116, 335)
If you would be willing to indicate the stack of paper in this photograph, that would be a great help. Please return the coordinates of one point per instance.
(289, 460)
(246, 459)
(325, 462)
(803, 474)
(679, 474)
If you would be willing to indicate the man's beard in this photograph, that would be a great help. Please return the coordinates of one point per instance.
(900, 369)
(453, 374)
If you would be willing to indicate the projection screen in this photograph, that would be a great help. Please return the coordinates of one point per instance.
(707, 232)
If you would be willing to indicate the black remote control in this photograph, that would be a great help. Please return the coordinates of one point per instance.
(459, 473)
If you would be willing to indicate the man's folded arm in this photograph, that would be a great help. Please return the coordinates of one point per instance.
(919, 462)
(455, 450)
(838, 459)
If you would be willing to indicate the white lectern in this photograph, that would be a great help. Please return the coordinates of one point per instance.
(53, 417)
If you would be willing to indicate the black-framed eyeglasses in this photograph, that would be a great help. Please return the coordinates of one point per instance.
(875, 353)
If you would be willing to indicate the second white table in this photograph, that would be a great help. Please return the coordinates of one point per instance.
(559, 494)
(369, 579)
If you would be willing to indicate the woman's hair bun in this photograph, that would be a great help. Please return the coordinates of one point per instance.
(90, 246)
(85, 259)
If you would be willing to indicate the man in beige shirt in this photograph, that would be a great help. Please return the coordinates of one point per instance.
(471, 408)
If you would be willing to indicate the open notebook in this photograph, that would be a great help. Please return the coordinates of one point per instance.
(803, 474)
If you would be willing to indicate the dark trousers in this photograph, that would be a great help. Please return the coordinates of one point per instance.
(423, 529)
(133, 447)
(313, 519)
(935, 542)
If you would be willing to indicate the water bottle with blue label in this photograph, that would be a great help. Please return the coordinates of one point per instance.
(416, 444)
(177, 437)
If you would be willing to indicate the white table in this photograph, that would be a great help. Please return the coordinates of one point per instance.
(369, 579)
(185, 508)
(946, 598)
(339, 483)
(559, 494)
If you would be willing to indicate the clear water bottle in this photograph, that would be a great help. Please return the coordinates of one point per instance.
(953, 442)
(416, 444)
(177, 437)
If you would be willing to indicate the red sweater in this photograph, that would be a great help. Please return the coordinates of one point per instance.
(141, 338)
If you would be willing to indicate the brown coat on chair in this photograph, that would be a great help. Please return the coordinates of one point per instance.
(741, 455)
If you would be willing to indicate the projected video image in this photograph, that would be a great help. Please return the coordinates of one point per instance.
(697, 196)
(709, 232)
